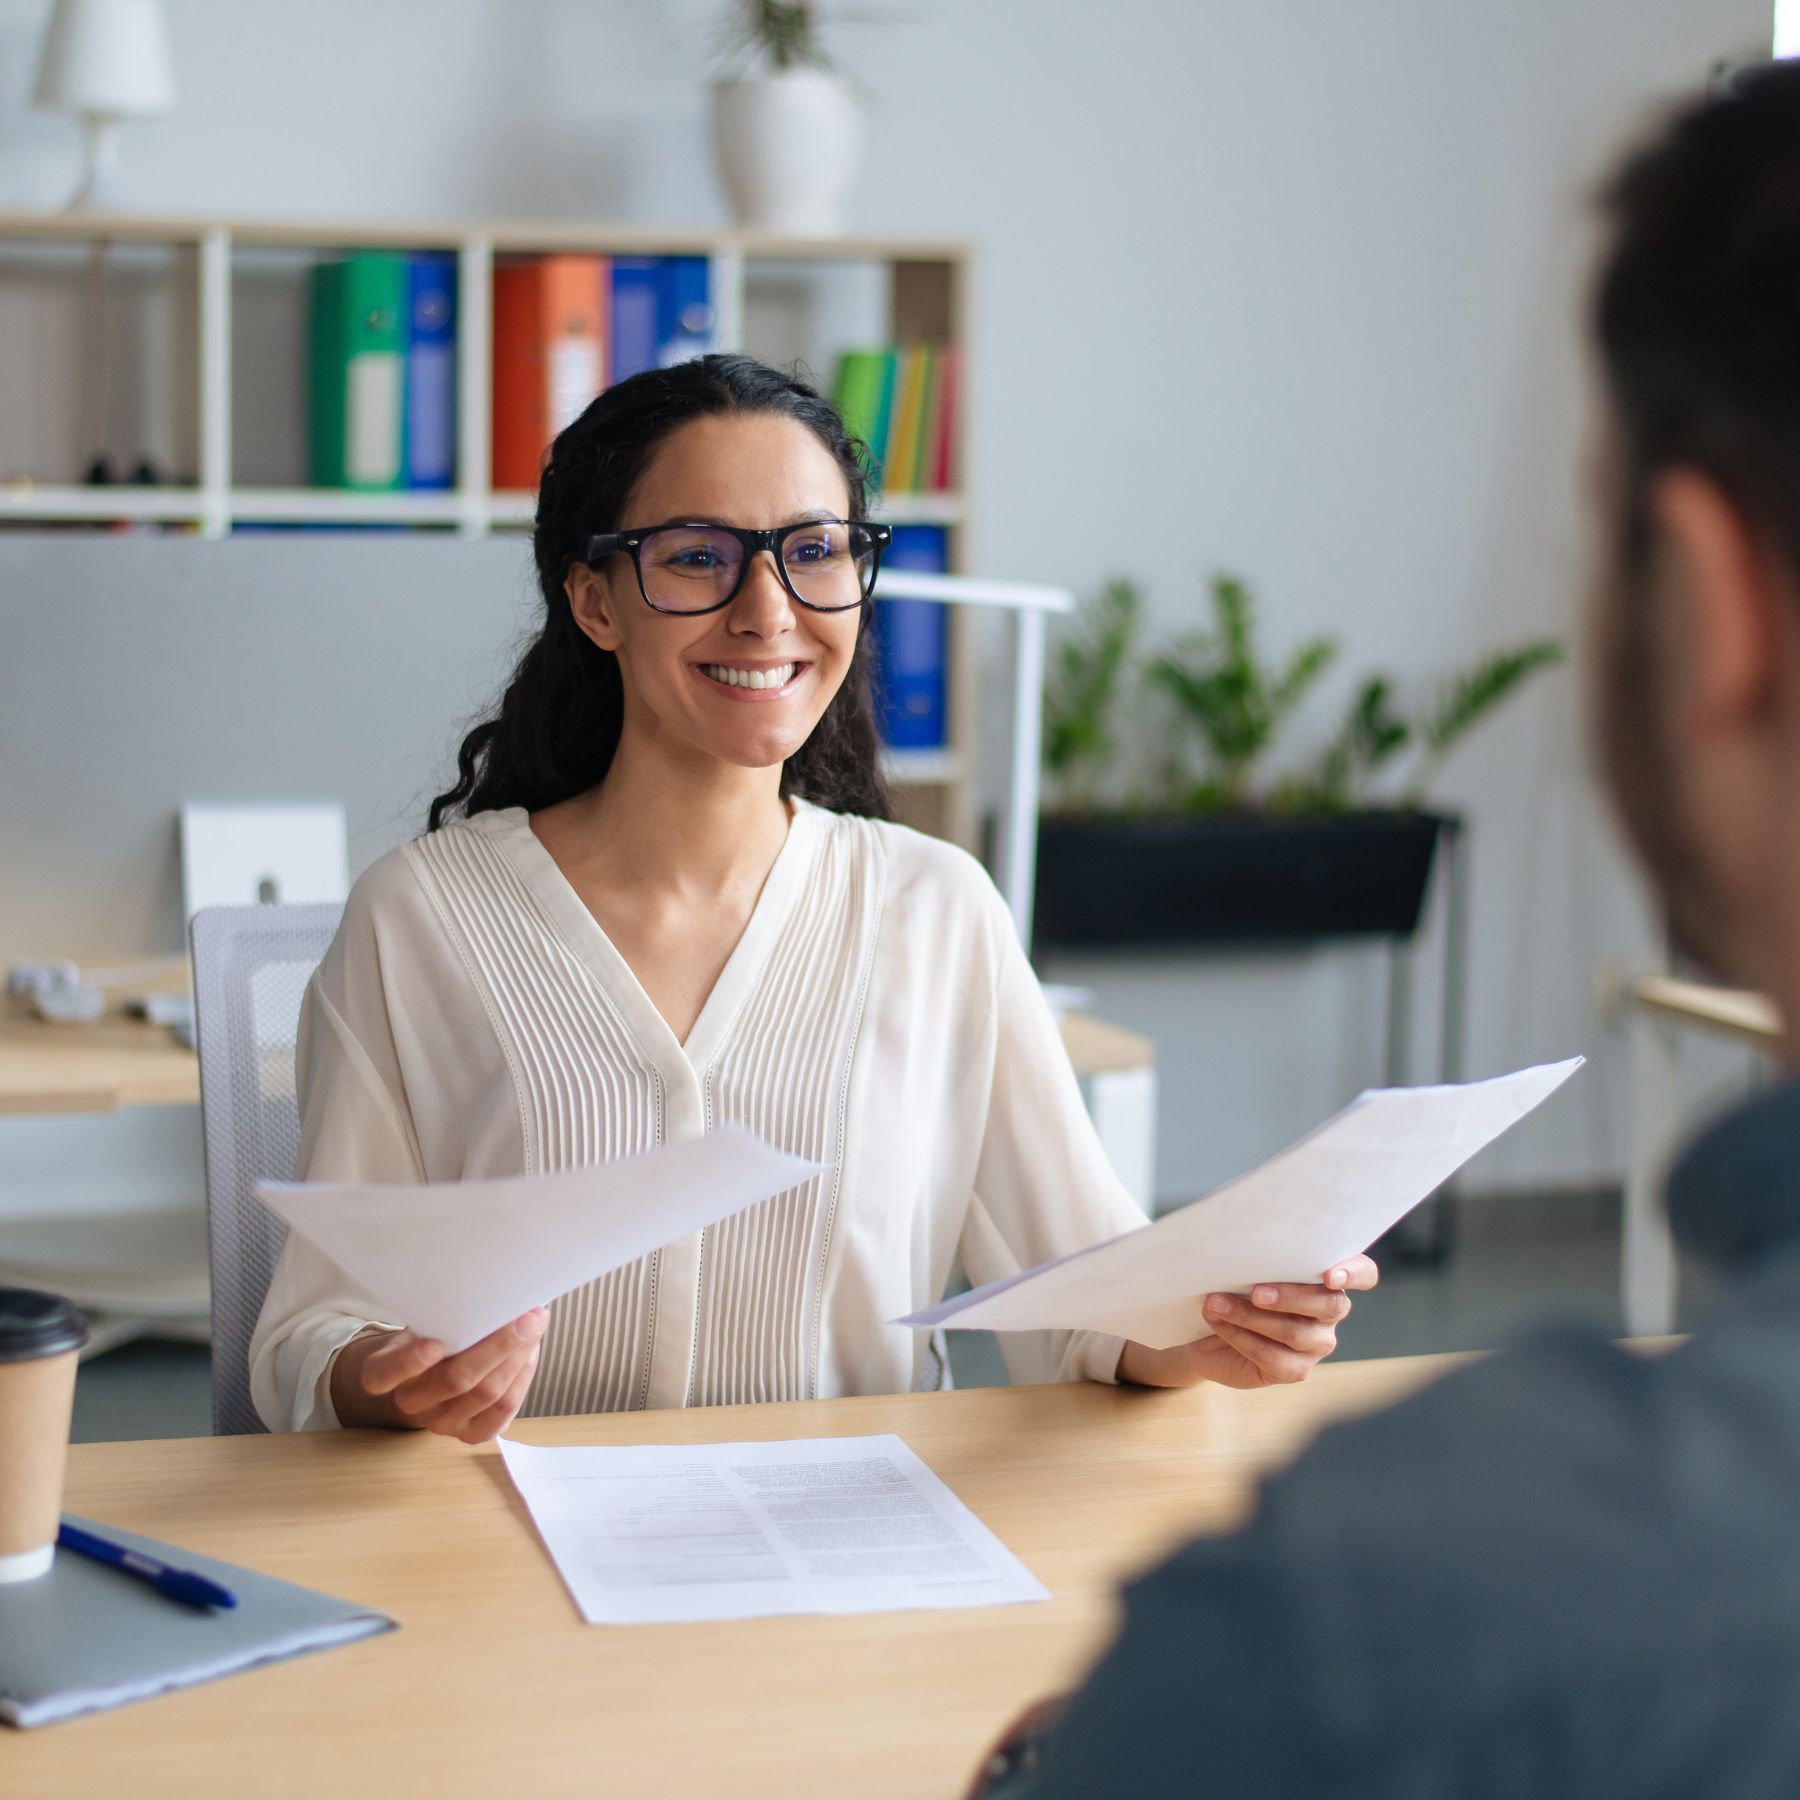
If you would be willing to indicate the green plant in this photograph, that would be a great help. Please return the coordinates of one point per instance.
(1468, 699)
(1081, 692)
(1230, 709)
(1228, 699)
(784, 31)
(1372, 734)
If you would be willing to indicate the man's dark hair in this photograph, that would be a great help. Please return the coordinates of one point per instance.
(1697, 310)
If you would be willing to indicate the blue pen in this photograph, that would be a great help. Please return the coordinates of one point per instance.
(173, 1584)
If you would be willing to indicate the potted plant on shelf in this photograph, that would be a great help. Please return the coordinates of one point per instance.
(1160, 829)
(787, 130)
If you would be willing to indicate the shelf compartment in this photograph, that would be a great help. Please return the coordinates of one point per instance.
(101, 359)
(922, 768)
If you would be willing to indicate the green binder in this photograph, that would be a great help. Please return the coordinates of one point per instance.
(358, 372)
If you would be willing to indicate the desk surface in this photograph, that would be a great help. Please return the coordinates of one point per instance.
(119, 1061)
(494, 1686)
(124, 1062)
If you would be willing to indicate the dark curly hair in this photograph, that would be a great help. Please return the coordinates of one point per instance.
(557, 725)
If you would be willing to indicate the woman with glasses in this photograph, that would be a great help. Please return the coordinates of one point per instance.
(664, 891)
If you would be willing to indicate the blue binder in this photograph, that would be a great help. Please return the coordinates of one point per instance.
(637, 282)
(431, 372)
(685, 317)
(912, 643)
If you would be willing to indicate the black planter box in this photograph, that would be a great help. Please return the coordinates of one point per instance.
(1244, 878)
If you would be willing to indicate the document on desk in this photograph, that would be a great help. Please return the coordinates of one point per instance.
(1327, 1197)
(656, 1533)
(458, 1259)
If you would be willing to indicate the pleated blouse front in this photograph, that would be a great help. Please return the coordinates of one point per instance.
(877, 1016)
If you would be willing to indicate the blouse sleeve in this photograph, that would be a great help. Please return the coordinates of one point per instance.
(1043, 1184)
(353, 1127)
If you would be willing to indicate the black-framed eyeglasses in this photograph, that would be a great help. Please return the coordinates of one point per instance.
(827, 565)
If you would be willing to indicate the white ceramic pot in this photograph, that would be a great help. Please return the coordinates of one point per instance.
(788, 146)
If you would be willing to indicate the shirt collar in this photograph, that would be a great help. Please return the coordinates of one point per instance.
(1734, 1194)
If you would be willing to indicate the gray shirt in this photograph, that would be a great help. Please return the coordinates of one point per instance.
(1565, 1571)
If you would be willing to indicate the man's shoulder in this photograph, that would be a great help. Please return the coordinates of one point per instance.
(1564, 1451)
(1509, 1582)
(1546, 1517)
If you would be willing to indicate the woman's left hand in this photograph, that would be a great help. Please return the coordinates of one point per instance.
(1279, 1332)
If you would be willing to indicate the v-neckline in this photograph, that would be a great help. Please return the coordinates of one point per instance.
(586, 938)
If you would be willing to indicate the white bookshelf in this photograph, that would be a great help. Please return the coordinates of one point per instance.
(203, 273)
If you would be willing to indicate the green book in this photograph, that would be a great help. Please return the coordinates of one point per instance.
(881, 442)
(865, 397)
(858, 394)
(358, 372)
(930, 423)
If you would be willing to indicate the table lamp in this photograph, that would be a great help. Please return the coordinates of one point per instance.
(105, 61)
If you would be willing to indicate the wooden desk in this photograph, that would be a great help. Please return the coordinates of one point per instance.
(119, 1061)
(493, 1685)
(92, 1068)
(125, 1062)
(1729, 1012)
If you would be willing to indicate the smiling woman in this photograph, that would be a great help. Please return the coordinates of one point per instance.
(664, 892)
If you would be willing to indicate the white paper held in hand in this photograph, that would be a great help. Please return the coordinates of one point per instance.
(1325, 1198)
(458, 1259)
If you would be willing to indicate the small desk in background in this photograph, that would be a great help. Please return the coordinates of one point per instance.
(136, 1270)
(493, 1685)
(1117, 1072)
(119, 1062)
(1663, 1007)
(123, 1061)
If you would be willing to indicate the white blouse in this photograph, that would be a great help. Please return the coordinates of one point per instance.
(878, 1016)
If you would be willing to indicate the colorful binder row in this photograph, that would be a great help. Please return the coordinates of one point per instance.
(383, 372)
(902, 404)
(383, 356)
(565, 327)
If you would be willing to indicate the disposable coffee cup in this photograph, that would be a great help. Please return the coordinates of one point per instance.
(40, 1336)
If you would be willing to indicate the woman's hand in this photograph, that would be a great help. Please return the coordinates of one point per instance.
(1278, 1333)
(400, 1379)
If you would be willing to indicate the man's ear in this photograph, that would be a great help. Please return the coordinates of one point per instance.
(591, 601)
(1731, 588)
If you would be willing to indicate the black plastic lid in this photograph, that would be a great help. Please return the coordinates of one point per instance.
(34, 1324)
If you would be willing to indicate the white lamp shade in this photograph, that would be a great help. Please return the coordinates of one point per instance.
(108, 59)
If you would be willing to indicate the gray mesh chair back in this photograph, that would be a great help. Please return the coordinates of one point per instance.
(251, 965)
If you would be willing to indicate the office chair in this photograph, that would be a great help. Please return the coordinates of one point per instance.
(251, 966)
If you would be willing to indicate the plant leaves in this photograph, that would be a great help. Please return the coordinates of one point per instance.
(1475, 692)
(1087, 671)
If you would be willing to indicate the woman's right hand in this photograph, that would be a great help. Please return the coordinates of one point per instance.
(400, 1379)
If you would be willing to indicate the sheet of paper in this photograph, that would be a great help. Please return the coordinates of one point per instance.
(456, 1260)
(648, 1534)
(1326, 1197)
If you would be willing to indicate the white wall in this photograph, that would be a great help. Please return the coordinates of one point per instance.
(1286, 288)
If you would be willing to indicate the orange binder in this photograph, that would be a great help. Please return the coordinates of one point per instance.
(549, 356)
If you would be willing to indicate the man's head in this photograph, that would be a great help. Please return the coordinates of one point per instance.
(1697, 623)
